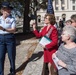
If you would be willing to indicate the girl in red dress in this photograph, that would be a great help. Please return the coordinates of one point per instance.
(50, 48)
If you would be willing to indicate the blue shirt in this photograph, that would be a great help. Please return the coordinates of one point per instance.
(7, 23)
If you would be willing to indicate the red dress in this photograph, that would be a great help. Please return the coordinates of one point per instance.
(52, 47)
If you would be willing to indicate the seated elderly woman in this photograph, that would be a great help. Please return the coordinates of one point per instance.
(67, 52)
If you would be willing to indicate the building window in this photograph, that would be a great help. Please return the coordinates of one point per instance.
(62, 8)
(57, 18)
(73, 1)
(56, 2)
(39, 18)
(56, 8)
(62, 2)
(73, 7)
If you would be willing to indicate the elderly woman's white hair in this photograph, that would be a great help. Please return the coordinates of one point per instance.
(71, 31)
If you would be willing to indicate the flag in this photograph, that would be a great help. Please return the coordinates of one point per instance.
(50, 7)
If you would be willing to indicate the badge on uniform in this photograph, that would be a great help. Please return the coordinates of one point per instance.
(8, 22)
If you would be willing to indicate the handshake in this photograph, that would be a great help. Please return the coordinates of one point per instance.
(32, 22)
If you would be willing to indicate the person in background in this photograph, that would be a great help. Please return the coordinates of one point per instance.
(61, 24)
(50, 48)
(68, 22)
(73, 20)
(67, 52)
(7, 38)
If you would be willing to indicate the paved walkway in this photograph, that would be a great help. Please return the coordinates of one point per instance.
(35, 64)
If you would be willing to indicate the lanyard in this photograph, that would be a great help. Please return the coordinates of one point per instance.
(49, 32)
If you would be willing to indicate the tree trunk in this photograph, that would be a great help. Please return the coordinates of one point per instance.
(26, 25)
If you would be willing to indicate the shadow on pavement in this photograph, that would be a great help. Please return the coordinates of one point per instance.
(21, 37)
(34, 57)
(22, 67)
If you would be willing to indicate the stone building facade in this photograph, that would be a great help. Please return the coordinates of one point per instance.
(63, 9)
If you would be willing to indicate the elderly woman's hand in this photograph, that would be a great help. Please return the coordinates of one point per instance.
(61, 63)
